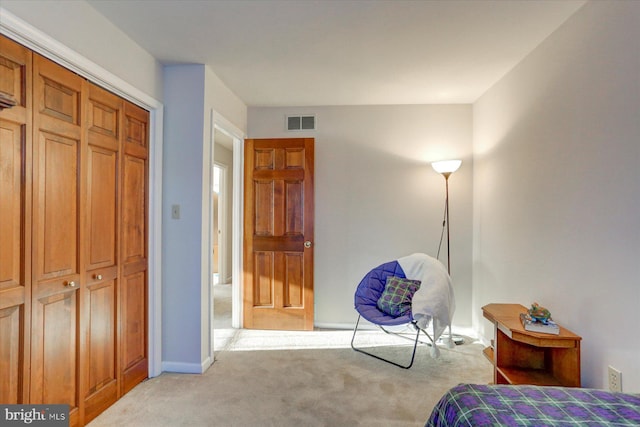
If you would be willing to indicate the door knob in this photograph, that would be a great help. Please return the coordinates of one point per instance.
(71, 284)
(307, 244)
(98, 276)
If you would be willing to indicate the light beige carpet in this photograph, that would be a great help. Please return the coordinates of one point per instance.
(301, 387)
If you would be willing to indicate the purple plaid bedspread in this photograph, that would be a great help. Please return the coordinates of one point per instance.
(505, 405)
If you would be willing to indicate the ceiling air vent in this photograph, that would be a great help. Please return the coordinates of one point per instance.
(295, 123)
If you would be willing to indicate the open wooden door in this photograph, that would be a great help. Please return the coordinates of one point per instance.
(278, 234)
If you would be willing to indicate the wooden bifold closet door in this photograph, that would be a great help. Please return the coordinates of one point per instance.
(15, 223)
(56, 231)
(73, 267)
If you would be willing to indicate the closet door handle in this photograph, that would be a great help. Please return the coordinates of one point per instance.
(98, 276)
(71, 284)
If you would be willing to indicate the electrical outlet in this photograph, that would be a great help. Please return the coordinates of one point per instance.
(615, 379)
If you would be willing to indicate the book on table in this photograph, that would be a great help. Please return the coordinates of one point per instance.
(529, 324)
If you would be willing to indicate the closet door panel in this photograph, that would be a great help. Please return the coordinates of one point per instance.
(54, 366)
(99, 345)
(54, 316)
(101, 387)
(12, 286)
(15, 79)
(11, 214)
(101, 208)
(15, 222)
(134, 354)
(134, 211)
(12, 70)
(11, 358)
(57, 207)
(56, 224)
(134, 322)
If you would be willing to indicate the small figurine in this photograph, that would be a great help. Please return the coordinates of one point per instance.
(539, 314)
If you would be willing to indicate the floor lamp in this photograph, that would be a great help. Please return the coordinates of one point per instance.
(446, 168)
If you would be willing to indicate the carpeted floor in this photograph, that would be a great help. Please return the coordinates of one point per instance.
(298, 383)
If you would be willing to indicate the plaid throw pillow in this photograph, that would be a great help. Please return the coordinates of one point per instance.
(398, 293)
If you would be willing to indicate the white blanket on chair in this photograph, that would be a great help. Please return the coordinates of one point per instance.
(433, 302)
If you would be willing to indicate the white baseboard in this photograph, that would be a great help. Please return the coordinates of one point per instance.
(206, 363)
(457, 330)
(363, 325)
(187, 368)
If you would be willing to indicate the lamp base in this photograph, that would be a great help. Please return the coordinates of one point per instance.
(444, 340)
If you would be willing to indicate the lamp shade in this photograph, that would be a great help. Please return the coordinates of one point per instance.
(446, 166)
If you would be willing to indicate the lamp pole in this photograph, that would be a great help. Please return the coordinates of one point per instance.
(446, 209)
(446, 168)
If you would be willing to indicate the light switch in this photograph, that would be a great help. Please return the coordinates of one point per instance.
(175, 211)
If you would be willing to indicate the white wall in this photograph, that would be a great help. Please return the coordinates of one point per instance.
(219, 98)
(377, 197)
(557, 187)
(182, 266)
(80, 27)
(191, 93)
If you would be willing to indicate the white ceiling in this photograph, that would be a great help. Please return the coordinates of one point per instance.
(349, 52)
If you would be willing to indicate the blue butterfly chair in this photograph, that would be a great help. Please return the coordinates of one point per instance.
(366, 304)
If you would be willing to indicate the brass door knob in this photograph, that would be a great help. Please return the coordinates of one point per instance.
(307, 244)
(71, 284)
(98, 276)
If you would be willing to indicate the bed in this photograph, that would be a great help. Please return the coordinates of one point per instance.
(524, 405)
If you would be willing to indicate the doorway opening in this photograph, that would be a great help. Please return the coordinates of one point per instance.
(222, 281)
(225, 221)
(219, 230)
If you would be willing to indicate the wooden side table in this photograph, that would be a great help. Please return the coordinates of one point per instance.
(523, 357)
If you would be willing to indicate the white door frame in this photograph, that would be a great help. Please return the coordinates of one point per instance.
(223, 125)
(39, 42)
